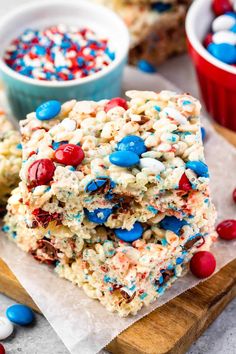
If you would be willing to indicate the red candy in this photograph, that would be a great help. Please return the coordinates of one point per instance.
(69, 154)
(41, 172)
(220, 7)
(184, 183)
(114, 102)
(227, 230)
(2, 349)
(234, 195)
(208, 40)
(203, 264)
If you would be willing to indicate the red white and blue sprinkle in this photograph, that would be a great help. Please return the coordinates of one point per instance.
(58, 53)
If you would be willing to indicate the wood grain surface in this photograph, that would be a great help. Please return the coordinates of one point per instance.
(172, 328)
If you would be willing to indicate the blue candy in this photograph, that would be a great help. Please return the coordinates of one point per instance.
(199, 167)
(223, 51)
(132, 143)
(161, 7)
(233, 28)
(145, 66)
(203, 133)
(99, 216)
(231, 14)
(130, 235)
(173, 224)
(97, 183)
(20, 314)
(57, 144)
(48, 110)
(124, 158)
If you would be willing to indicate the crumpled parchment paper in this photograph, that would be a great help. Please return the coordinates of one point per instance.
(83, 324)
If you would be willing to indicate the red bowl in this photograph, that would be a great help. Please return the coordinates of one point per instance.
(217, 80)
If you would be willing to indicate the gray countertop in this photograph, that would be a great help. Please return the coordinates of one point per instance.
(219, 338)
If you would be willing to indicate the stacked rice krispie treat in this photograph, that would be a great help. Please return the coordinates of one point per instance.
(10, 158)
(156, 27)
(114, 194)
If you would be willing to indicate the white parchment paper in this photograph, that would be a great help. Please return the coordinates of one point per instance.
(83, 324)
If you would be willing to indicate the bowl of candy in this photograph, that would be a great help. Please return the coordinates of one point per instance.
(211, 34)
(60, 50)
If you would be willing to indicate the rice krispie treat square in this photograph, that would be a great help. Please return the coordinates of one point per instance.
(114, 194)
(157, 28)
(10, 158)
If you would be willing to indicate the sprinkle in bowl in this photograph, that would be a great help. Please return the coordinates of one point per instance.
(26, 93)
(217, 80)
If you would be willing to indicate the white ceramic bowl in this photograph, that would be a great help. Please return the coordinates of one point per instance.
(24, 93)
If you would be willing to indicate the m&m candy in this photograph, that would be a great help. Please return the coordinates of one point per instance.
(48, 110)
(203, 264)
(234, 195)
(227, 230)
(98, 216)
(116, 102)
(69, 154)
(130, 235)
(124, 158)
(20, 314)
(132, 143)
(6, 328)
(41, 172)
(2, 349)
(199, 167)
(221, 41)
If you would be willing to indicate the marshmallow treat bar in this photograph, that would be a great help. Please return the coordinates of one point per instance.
(114, 194)
(10, 158)
(156, 27)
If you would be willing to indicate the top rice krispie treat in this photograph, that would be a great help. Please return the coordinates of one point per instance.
(10, 157)
(128, 157)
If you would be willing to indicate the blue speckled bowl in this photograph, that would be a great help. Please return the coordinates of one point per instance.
(24, 93)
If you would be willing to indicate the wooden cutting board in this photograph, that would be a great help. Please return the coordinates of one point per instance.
(172, 328)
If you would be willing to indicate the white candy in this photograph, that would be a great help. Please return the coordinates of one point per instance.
(154, 165)
(69, 124)
(6, 328)
(224, 37)
(223, 23)
(176, 115)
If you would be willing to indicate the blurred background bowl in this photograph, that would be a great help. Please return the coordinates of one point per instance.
(217, 80)
(24, 93)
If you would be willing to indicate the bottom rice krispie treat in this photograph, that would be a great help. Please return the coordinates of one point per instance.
(114, 194)
(10, 158)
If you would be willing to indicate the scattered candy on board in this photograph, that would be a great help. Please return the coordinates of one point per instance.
(20, 314)
(6, 328)
(2, 349)
(227, 230)
(221, 41)
(203, 264)
(58, 53)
